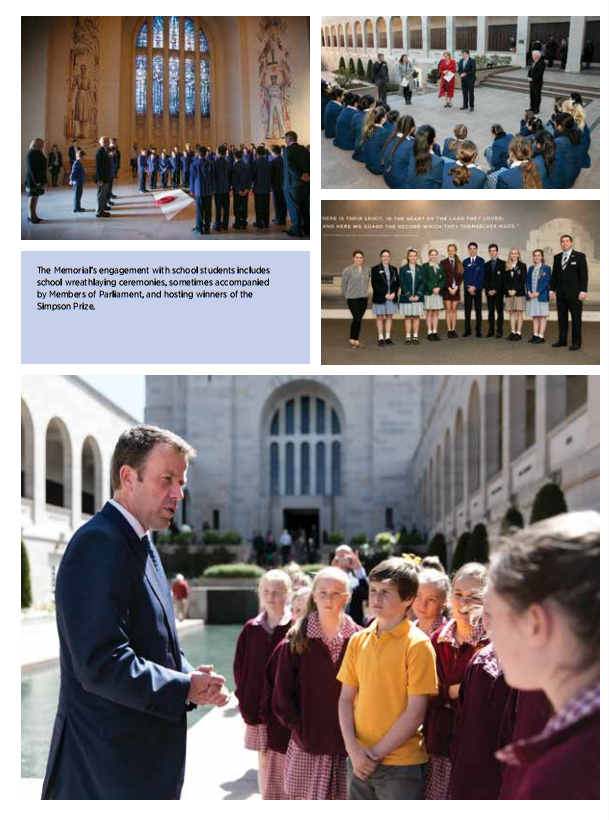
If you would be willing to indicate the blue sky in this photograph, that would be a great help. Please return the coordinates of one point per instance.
(129, 392)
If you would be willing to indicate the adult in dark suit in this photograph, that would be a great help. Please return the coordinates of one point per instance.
(296, 184)
(569, 284)
(467, 71)
(348, 560)
(385, 287)
(473, 280)
(72, 152)
(102, 176)
(120, 730)
(380, 77)
(494, 272)
(535, 77)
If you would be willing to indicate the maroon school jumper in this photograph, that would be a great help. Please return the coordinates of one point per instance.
(563, 761)
(475, 771)
(526, 714)
(278, 736)
(254, 647)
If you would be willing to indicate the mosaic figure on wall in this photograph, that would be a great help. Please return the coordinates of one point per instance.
(83, 72)
(275, 77)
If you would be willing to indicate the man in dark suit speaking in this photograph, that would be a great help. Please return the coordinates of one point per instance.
(120, 730)
(569, 284)
(467, 71)
(535, 78)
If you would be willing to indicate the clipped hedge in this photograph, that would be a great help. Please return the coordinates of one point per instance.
(335, 538)
(233, 571)
(312, 569)
(26, 580)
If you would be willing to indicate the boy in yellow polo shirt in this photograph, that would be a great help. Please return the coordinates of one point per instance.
(388, 674)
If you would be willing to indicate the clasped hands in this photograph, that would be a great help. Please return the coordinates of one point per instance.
(364, 761)
(207, 687)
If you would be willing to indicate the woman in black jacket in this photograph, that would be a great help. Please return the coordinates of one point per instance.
(35, 177)
(515, 293)
(385, 287)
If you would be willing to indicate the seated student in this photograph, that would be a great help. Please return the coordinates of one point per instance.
(343, 138)
(528, 114)
(538, 296)
(325, 99)
(261, 186)
(374, 137)
(381, 714)
(425, 170)
(279, 204)
(142, 164)
(452, 143)
(543, 608)
(567, 138)
(463, 173)
(530, 125)
(222, 171)
(497, 153)
(397, 153)
(201, 185)
(523, 172)
(578, 113)
(175, 163)
(153, 168)
(77, 180)
(332, 112)
(545, 153)
(241, 182)
(164, 168)
(365, 104)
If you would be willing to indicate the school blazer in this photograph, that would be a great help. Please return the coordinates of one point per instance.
(495, 281)
(500, 149)
(406, 284)
(430, 179)
(518, 281)
(512, 178)
(397, 169)
(379, 283)
(372, 150)
(433, 279)
(477, 178)
(543, 283)
(344, 138)
(573, 280)
(451, 275)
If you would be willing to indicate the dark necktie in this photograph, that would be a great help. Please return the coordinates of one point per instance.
(147, 543)
(565, 259)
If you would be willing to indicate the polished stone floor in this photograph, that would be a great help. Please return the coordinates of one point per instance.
(134, 216)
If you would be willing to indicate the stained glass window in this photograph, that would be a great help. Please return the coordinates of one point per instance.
(174, 32)
(305, 405)
(274, 469)
(275, 424)
(157, 85)
(320, 468)
(321, 417)
(336, 477)
(305, 487)
(205, 104)
(157, 32)
(189, 86)
(289, 469)
(174, 86)
(189, 35)
(142, 37)
(335, 423)
(203, 44)
(140, 83)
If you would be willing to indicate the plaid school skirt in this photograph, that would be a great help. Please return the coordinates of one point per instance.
(314, 777)
(272, 787)
(438, 778)
(256, 738)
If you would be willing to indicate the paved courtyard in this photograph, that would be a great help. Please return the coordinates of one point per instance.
(493, 105)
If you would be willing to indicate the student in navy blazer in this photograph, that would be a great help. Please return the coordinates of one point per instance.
(120, 729)
(546, 155)
(325, 99)
(412, 296)
(397, 153)
(373, 140)
(365, 104)
(463, 173)
(473, 282)
(201, 183)
(497, 153)
(332, 112)
(77, 180)
(538, 296)
(426, 168)
(523, 172)
(344, 137)
(451, 144)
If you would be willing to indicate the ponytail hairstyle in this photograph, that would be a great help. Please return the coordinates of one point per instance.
(460, 133)
(423, 141)
(403, 129)
(337, 94)
(497, 131)
(547, 148)
(558, 104)
(466, 154)
(558, 561)
(534, 124)
(297, 635)
(577, 112)
(351, 98)
(374, 116)
(458, 262)
(566, 125)
(521, 149)
(365, 102)
(393, 116)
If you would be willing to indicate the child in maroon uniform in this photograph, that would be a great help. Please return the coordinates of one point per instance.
(543, 611)
(475, 772)
(306, 692)
(526, 714)
(431, 603)
(455, 644)
(255, 644)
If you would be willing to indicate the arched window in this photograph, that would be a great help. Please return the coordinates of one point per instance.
(473, 440)
(494, 425)
(349, 36)
(359, 40)
(27, 452)
(369, 34)
(58, 465)
(381, 33)
(172, 83)
(320, 469)
(459, 459)
(336, 469)
(91, 500)
(305, 471)
(397, 40)
(289, 469)
(275, 469)
(341, 36)
(447, 474)
(522, 414)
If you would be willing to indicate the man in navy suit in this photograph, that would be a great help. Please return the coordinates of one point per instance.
(467, 71)
(494, 277)
(569, 284)
(473, 280)
(120, 730)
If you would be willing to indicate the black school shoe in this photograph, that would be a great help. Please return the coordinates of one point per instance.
(381, 343)
(388, 343)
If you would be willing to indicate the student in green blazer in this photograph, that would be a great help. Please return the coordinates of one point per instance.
(435, 280)
(412, 284)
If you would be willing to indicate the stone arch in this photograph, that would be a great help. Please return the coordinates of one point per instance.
(493, 399)
(91, 476)
(381, 34)
(473, 440)
(459, 456)
(58, 464)
(27, 453)
(396, 33)
(448, 477)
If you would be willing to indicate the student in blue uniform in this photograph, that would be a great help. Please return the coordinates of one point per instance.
(186, 162)
(426, 168)
(201, 184)
(164, 168)
(538, 296)
(567, 139)
(142, 164)
(473, 283)
(153, 169)
(463, 172)
(222, 172)
(497, 153)
(279, 204)
(343, 138)
(365, 104)
(332, 112)
(523, 172)
(374, 137)
(575, 107)
(113, 165)
(241, 183)
(325, 99)
(397, 153)
(545, 155)
(261, 186)
(451, 144)
(77, 180)
(175, 162)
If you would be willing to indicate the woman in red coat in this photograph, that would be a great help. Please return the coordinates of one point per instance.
(446, 67)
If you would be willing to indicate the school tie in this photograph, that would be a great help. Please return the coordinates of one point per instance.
(565, 258)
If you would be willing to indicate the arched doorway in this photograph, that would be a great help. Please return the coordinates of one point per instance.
(58, 476)
(91, 477)
(27, 453)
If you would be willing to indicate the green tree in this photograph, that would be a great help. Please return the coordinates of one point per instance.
(26, 581)
(512, 520)
(369, 71)
(341, 64)
(437, 546)
(478, 545)
(360, 69)
(351, 66)
(461, 551)
(548, 502)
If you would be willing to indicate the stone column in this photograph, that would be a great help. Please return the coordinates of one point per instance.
(75, 488)
(481, 31)
(541, 438)
(483, 465)
(149, 81)
(425, 37)
(522, 41)
(577, 32)
(39, 445)
(450, 35)
(506, 455)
